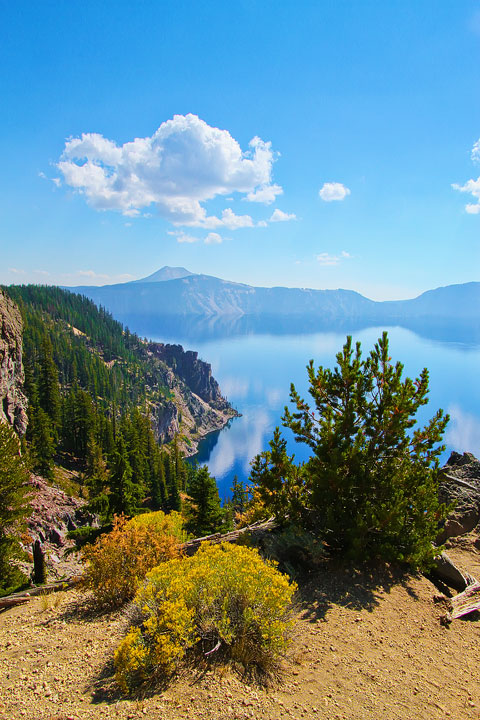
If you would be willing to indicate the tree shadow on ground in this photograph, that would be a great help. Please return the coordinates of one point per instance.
(348, 587)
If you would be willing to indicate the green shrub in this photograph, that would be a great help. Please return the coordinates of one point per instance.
(224, 596)
(122, 557)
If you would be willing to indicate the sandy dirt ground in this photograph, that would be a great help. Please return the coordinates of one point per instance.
(366, 646)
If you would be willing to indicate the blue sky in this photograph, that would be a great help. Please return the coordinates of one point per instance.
(311, 144)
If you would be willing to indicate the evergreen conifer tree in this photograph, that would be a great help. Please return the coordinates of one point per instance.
(371, 484)
(124, 493)
(97, 479)
(43, 445)
(13, 505)
(205, 512)
(49, 391)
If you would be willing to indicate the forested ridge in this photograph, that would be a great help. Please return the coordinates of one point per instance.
(91, 385)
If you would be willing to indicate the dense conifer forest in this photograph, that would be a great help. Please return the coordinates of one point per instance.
(90, 384)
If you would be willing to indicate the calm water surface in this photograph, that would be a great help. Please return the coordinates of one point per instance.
(255, 370)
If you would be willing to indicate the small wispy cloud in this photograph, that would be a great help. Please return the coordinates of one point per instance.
(16, 271)
(472, 186)
(93, 275)
(183, 237)
(331, 191)
(266, 194)
(327, 260)
(280, 216)
(476, 151)
(213, 238)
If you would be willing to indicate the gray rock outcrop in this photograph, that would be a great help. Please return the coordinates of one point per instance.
(195, 373)
(13, 403)
(460, 484)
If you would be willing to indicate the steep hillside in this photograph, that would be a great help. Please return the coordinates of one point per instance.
(120, 372)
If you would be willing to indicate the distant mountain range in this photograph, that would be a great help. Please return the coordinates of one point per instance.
(176, 292)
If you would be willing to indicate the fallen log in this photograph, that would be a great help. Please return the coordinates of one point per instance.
(191, 546)
(25, 595)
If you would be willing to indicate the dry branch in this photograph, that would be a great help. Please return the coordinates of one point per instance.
(466, 602)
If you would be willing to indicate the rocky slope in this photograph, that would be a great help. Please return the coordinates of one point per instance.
(195, 405)
(13, 403)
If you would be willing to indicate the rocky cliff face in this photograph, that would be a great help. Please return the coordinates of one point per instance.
(195, 407)
(195, 373)
(13, 403)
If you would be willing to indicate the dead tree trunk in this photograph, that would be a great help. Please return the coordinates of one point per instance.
(39, 564)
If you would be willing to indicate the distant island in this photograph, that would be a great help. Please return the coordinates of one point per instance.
(175, 291)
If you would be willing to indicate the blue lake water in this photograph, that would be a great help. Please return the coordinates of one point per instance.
(255, 368)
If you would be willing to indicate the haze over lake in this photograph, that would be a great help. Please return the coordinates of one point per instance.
(255, 362)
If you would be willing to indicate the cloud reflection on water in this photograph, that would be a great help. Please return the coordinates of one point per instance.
(463, 431)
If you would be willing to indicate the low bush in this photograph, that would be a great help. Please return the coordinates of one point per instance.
(224, 598)
(122, 557)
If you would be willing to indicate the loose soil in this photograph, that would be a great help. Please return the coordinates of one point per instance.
(366, 645)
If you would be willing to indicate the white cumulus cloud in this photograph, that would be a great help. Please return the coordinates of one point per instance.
(185, 163)
(280, 216)
(333, 191)
(472, 187)
(213, 239)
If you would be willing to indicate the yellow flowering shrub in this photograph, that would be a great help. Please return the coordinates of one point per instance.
(122, 557)
(224, 597)
(172, 524)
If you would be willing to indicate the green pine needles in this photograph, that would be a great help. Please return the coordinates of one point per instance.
(13, 507)
(370, 485)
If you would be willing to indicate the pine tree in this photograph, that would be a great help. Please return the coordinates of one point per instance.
(371, 484)
(239, 495)
(97, 480)
(205, 512)
(49, 391)
(124, 494)
(13, 505)
(43, 445)
(174, 500)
